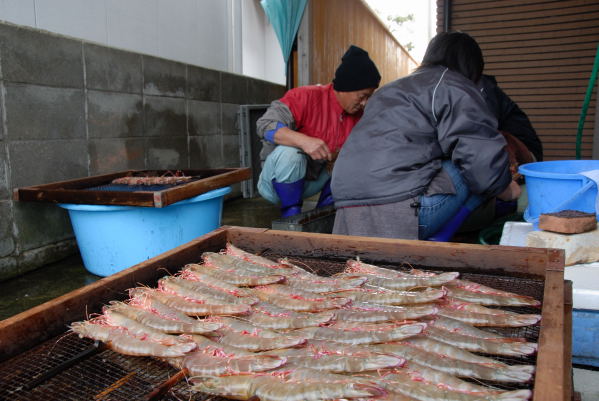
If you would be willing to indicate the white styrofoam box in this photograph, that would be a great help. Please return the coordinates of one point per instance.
(584, 277)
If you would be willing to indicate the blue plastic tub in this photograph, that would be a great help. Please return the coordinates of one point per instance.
(112, 238)
(553, 186)
(585, 337)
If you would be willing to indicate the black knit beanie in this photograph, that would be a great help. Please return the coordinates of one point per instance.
(356, 71)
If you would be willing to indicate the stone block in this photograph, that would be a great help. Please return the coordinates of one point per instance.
(230, 119)
(43, 162)
(116, 154)
(42, 58)
(205, 152)
(579, 248)
(204, 118)
(234, 88)
(231, 156)
(164, 77)
(112, 69)
(165, 116)
(114, 115)
(257, 91)
(41, 112)
(4, 191)
(7, 241)
(40, 224)
(167, 153)
(203, 84)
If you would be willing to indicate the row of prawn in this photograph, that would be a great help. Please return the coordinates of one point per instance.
(242, 325)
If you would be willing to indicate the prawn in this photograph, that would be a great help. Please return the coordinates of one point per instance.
(372, 313)
(378, 295)
(255, 259)
(279, 387)
(494, 346)
(275, 318)
(337, 363)
(478, 315)
(212, 282)
(230, 262)
(392, 333)
(235, 277)
(163, 324)
(297, 300)
(513, 373)
(411, 385)
(200, 292)
(211, 358)
(119, 340)
(197, 308)
(469, 291)
(397, 280)
(115, 318)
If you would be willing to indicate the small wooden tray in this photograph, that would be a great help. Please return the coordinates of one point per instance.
(85, 190)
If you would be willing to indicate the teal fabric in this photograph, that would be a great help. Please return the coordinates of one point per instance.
(285, 17)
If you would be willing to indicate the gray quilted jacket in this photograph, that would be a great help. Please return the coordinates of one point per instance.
(408, 128)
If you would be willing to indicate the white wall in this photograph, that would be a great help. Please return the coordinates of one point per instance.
(226, 35)
(261, 58)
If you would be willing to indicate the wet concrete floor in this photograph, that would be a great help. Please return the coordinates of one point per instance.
(53, 280)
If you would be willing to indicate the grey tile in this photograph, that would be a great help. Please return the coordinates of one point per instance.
(234, 88)
(230, 118)
(4, 192)
(163, 77)
(206, 151)
(116, 154)
(231, 157)
(203, 84)
(41, 112)
(257, 90)
(7, 241)
(40, 224)
(40, 58)
(204, 118)
(273, 92)
(167, 153)
(112, 69)
(114, 115)
(42, 162)
(164, 116)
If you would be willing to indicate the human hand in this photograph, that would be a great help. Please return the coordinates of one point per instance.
(316, 148)
(511, 192)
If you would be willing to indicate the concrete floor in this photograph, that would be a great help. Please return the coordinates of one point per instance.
(59, 278)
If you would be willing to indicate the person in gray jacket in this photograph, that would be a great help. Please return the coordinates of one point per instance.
(426, 150)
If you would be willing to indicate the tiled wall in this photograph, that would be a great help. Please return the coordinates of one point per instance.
(72, 109)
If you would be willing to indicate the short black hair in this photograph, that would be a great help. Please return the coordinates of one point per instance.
(457, 51)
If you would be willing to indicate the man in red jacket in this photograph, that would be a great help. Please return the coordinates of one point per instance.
(305, 129)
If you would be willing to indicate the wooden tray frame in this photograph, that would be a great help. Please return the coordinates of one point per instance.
(75, 191)
(553, 375)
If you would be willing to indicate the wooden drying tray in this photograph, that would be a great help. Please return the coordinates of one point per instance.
(553, 376)
(81, 190)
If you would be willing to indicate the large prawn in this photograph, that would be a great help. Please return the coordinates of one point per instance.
(119, 340)
(295, 299)
(379, 295)
(363, 336)
(235, 277)
(273, 317)
(282, 386)
(479, 315)
(469, 291)
(372, 313)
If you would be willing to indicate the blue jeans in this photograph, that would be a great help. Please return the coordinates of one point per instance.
(436, 210)
(288, 164)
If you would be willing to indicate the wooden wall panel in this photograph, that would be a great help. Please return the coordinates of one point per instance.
(542, 54)
(336, 24)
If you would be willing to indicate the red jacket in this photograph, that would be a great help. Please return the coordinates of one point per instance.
(317, 113)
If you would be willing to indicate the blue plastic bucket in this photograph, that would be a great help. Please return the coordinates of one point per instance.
(112, 238)
(553, 186)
